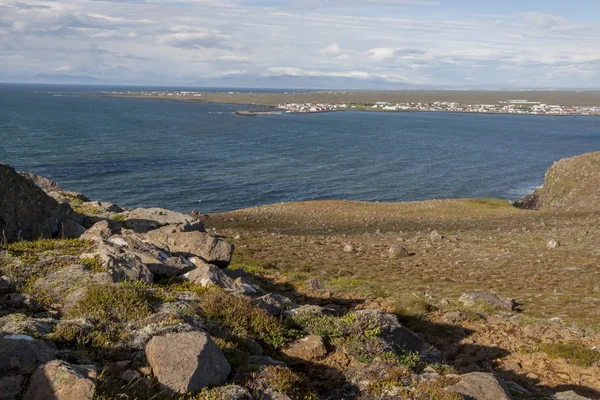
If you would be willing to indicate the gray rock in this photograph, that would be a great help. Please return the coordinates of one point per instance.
(59, 380)
(43, 183)
(553, 244)
(348, 248)
(435, 236)
(274, 304)
(210, 249)
(481, 386)
(71, 229)
(395, 336)
(6, 286)
(475, 298)
(26, 211)
(309, 348)
(35, 327)
(208, 274)
(570, 395)
(11, 387)
(431, 356)
(126, 267)
(398, 251)
(99, 232)
(144, 220)
(271, 394)
(65, 197)
(232, 392)
(187, 362)
(20, 355)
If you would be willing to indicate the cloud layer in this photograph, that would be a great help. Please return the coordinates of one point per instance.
(396, 41)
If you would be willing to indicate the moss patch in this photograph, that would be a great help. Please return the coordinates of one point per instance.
(574, 353)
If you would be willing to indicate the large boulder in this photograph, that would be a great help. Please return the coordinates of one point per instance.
(275, 304)
(26, 211)
(59, 380)
(20, 354)
(186, 362)
(43, 183)
(207, 274)
(395, 336)
(481, 298)
(143, 220)
(11, 387)
(572, 184)
(209, 248)
(481, 386)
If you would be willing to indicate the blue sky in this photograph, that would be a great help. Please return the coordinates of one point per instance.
(429, 43)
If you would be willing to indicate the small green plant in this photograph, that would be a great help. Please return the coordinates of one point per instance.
(120, 218)
(285, 381)
(94, 264)
(574, 353)
(36, 247)
(112, 303)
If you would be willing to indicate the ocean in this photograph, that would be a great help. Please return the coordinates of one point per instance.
(196, 156)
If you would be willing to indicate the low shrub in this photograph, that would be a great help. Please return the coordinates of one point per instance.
(574, 353)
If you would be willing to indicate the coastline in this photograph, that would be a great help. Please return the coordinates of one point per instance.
(276, 108)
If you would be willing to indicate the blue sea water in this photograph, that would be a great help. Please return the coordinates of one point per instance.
(184, 156)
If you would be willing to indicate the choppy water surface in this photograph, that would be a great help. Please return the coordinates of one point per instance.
(187, 156)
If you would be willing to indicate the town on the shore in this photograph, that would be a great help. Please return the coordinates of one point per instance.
(507, 107)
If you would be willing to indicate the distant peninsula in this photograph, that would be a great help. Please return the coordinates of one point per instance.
(491, 102)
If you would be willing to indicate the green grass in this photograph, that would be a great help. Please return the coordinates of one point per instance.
(36, 247)
(574, 353)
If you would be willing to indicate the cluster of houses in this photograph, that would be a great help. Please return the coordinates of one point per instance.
(508, 107)
(310, 107)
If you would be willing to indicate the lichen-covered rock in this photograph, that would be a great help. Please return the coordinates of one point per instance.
(21, 325)
(208, 274)
(481, 386)
(59, 380)
(210, 249)
(569, 395)
(11, 387)
(126, 267)
(476, 298)
(20, 354)
(308, 348)
(100, 231)
(186, 362)
(26, 211)
(144, 220)
(231, 392)
(395, 336)
(42, 182)
(275, 304)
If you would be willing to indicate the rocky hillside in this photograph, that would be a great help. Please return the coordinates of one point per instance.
(572, 184)
(100, 302)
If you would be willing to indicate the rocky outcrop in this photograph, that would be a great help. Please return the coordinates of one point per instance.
(210, 249)
(144, 220)
(20, 354)
(59, 380)
(572, 184)
(186, 362)
(481, 386)
(26, 211)
(42, 182)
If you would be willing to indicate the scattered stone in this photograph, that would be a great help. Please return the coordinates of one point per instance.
(58, 380)
(395, 336)
(481, 386)
(210, 249)
(453, 317)
(435, 236)
(11, 387)
(275, 304)
(553, 244)
(316, 284)
(208, 274)
(476, 298)
(144, 220)
(569, 395)
(265, 361)
(187, 362)
(348, 248)
(308, 348)
(26, 211)
(271, 394)
(398, 251)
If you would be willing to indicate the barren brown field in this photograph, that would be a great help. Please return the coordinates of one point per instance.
(567, 98)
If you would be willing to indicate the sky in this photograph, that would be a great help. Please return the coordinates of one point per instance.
(383, 43)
